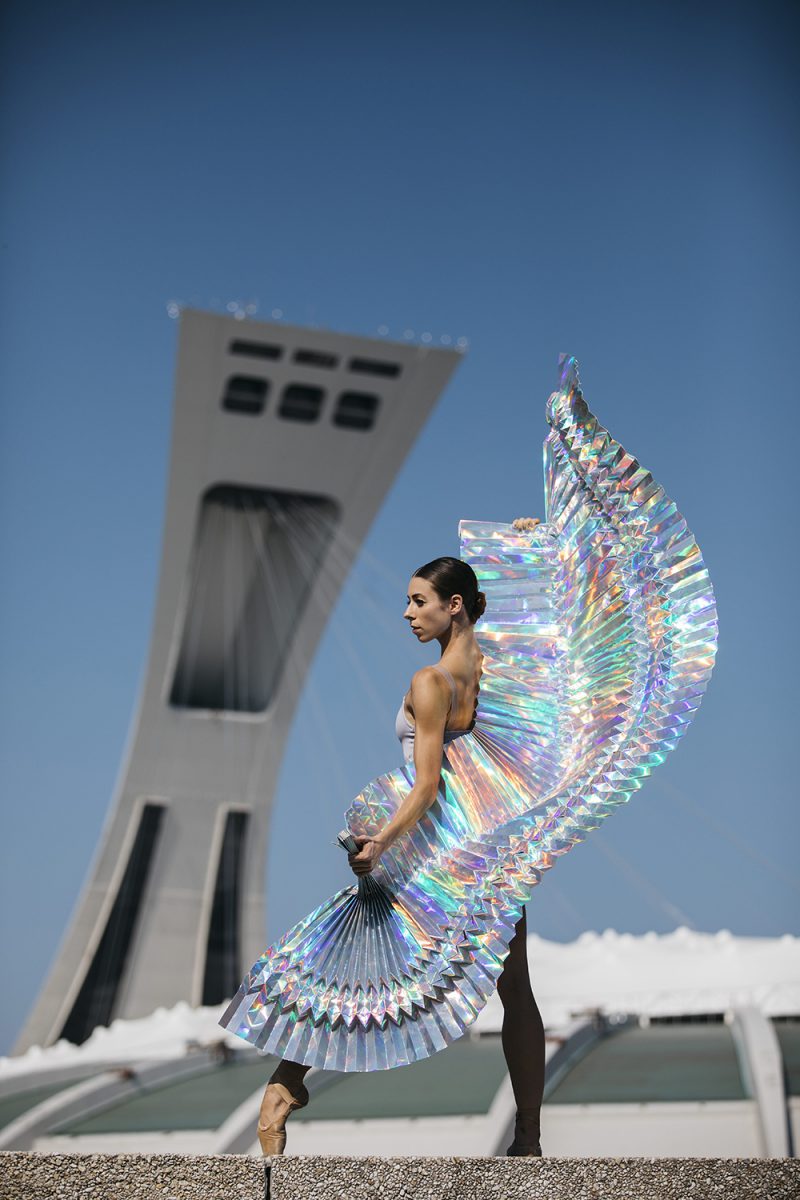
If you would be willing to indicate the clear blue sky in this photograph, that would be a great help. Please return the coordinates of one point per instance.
(619, 181)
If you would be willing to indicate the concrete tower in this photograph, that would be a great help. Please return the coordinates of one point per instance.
(285, 441)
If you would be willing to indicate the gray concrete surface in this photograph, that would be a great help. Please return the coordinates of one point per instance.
(32, 1176)
(332, 1178)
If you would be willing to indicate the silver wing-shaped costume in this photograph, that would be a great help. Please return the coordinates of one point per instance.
(598, 640)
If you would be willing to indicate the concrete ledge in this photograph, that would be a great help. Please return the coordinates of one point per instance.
(333, 1178)
(32, 1176)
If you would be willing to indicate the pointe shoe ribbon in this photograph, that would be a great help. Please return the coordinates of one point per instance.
(272, 1137)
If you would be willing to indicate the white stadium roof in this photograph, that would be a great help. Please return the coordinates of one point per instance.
(677, 1044)
(651, 974)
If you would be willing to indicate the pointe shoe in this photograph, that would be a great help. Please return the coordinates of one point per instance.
(272, 1138)
(520, 1147)
(517, 1151)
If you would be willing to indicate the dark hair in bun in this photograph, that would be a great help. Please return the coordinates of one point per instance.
(453, 577)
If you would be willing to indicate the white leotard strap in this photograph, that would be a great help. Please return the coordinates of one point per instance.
(445, 671)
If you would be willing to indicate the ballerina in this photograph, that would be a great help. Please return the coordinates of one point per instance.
(444, 603)
(595, 646)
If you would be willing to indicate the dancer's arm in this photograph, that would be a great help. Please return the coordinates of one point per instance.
(430, 696)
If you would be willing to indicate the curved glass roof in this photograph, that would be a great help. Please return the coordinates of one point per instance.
(679, 1061)
(640, 1065)
(201, 1101)
(461, 1080)
(18, 1103)
(788, 1032)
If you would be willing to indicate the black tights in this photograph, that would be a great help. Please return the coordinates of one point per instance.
(522, 1038)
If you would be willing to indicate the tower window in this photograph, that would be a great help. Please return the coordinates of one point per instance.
(316, 358)
(374, 366)
(300, 402)
(94, 1004)
(255, 559)
(255, 349)
(245, 394)
(356, 410)
(222, 972)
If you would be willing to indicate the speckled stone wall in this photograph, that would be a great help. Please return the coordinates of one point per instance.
(30, 1176)
(295, 1177)
(300, 1178)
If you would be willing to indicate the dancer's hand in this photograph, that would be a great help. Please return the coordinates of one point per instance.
(524, 524)
(368, 854)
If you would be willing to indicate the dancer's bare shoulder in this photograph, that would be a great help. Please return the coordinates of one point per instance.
(427, 681)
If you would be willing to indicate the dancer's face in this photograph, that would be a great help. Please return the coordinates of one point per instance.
(428, 615)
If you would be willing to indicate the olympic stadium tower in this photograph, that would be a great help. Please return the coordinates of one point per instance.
(285, 442)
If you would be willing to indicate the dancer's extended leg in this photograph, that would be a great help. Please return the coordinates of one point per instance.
(523, 1038)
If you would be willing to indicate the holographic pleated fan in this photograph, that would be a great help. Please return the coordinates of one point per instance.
(598, 640)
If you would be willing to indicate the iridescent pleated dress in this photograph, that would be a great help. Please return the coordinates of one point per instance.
(598, 641)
